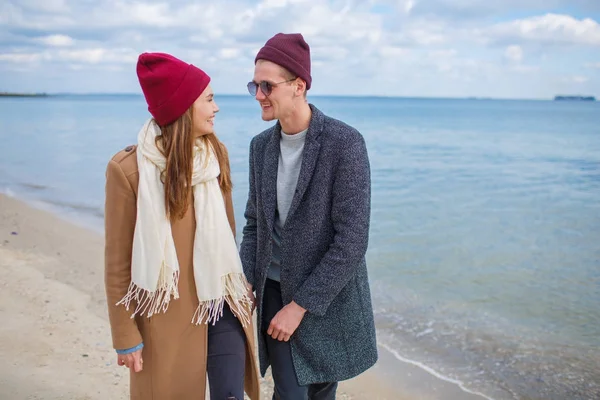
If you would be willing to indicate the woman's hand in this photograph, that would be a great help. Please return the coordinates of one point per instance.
(251, 296)
(133, 361)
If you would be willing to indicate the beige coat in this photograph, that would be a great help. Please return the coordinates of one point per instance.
(175, 350)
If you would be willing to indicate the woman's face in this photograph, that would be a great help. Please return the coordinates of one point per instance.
(204, 110)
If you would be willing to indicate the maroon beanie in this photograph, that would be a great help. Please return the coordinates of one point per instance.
(170, 85)
(291, 52)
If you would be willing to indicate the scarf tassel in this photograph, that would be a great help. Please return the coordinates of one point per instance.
(236, 297)
(148, 302)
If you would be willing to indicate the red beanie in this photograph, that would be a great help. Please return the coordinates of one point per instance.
(291, 51)
(170, 85)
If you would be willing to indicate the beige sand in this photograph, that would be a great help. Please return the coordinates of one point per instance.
(54, 337)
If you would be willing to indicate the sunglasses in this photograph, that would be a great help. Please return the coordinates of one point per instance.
(265, 87)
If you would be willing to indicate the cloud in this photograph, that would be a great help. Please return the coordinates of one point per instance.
(49, 6)
(473, 11)
(549, 29)
(57, 40)
(407, 5)
(593, 65)
(514, 53)
(577, 79)
(83, 56)
(426, 37)
(525, 68)
(21, 58)
(97, 55)
(229, 53)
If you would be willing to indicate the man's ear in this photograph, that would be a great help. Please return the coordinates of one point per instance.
(300, 87)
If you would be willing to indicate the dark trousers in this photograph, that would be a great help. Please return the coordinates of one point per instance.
(226, 358)
(280, 357)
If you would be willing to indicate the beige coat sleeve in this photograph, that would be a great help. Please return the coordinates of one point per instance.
(119, 216)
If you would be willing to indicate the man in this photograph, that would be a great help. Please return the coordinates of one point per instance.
(306, 233)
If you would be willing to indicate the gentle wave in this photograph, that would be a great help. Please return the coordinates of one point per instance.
(432, 371)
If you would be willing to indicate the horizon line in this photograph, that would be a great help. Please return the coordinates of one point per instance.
(48, 94)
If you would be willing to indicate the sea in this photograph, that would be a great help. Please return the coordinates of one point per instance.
(484, 251)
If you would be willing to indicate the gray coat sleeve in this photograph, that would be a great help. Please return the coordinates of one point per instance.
(248, 246)
(351, 209)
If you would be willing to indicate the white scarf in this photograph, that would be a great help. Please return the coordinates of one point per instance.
(217, 267)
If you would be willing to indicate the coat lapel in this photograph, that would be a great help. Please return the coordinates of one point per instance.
(269, 177)
(310, 156)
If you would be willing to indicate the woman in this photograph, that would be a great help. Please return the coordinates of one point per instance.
(177, 297)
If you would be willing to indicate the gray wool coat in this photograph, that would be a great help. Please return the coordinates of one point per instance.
(324, 241)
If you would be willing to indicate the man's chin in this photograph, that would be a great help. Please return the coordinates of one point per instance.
(267, 116)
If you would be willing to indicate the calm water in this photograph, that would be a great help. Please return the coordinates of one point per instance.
(485, 241)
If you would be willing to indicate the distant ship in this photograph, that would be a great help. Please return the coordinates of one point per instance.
(575, 98)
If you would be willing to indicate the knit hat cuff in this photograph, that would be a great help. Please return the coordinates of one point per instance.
(280, 58)
(191, 87)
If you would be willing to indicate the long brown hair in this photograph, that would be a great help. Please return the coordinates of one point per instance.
(176, 143)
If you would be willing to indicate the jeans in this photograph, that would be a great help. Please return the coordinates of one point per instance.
(280, 357)
(226, 360)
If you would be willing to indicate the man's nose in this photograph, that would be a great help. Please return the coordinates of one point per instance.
(259, 94)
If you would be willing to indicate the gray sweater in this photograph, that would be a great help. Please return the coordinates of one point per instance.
(290, 160)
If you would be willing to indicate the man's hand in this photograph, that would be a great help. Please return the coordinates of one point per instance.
(285, 322)
(132, 361)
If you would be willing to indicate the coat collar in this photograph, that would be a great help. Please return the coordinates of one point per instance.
(310, 155)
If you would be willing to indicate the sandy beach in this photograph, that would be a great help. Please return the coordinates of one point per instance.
(55, 339)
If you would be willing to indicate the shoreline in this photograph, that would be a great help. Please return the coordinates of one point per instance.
(54, 266)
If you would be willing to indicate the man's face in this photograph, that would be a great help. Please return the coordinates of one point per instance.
(280, 102)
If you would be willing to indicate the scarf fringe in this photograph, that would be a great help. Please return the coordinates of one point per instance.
(148, 302)
(236, 296)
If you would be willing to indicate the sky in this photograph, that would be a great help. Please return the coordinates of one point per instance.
(423, 48)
